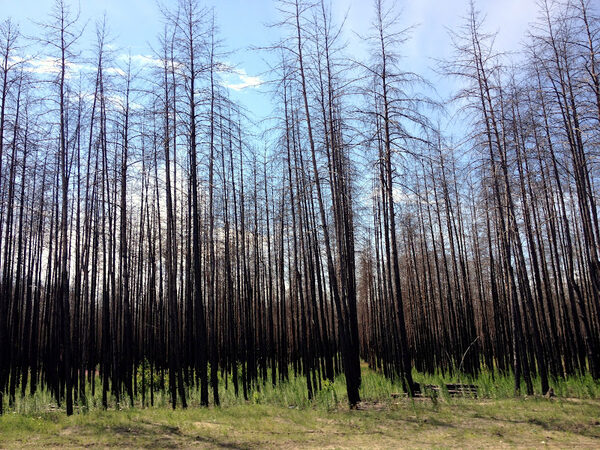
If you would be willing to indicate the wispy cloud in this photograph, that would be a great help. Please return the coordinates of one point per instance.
(48, 65)
(238, 79)
(115, 71)
(142, 60)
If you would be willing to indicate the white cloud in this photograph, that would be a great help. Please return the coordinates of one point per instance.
(143, 60)
(115, 71)
(241, 80)
(48, 65)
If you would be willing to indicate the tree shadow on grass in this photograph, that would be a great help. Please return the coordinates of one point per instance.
(142, 434)
(581, 429)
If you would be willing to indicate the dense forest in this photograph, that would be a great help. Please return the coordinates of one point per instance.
(152, 240)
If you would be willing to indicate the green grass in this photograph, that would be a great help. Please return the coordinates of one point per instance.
(283, 417)
(374, 388)
(462, 422)
(498, 386)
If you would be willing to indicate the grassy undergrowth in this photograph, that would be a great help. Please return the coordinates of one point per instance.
(283, 417)
(374, 388)
(530, 422)
(498, 386)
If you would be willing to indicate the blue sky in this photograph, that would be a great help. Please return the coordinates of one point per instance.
(135, 24)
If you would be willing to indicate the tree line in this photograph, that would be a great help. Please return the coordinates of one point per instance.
(152, 241)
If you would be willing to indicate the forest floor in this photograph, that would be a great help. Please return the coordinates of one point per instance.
(531, 422)
(282, 417)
